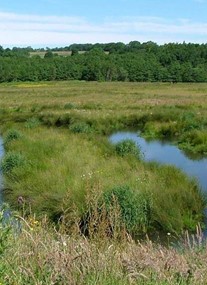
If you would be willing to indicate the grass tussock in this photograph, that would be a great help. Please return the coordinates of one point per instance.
(128, 147)
(12, 135)
(11, 161)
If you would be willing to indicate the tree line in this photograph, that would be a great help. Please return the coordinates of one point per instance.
(135, 61)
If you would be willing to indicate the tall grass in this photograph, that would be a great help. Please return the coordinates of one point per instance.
(41, 255)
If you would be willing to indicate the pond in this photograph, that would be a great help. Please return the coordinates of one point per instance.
(167, 153)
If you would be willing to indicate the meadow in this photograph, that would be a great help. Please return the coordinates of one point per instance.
(42, 53)
(82, 200)
(58, 157)
(59, 53)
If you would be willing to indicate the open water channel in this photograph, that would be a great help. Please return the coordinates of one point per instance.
(167, 153)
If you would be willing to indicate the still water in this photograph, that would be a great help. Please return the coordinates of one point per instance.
(167, 153)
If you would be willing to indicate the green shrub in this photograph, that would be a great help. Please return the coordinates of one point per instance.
(127, 147)
(70, 106)
(32, 123)
(36, 108)
(190, 122)
(80, 127)
(12, 160)
(135, 208)
(194, 141)
(12, 135)
(169, 130)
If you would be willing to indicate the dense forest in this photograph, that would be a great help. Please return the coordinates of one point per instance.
(135, 61)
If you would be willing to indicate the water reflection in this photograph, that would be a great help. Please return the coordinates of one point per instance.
(167, 153)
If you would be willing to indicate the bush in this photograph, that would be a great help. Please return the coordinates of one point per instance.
(70, 106)
(12, 135)
(135, 208)
(190, 122)
(118, 211)
(194, 141)
(32, 123)
(80, 128)
(11, 161)
(127, 147)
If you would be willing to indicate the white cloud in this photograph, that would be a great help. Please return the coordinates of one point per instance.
(21, 30)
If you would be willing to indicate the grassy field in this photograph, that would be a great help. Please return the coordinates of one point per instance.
(65, 179)
(42, 53)
(59, 53)
(60, 161)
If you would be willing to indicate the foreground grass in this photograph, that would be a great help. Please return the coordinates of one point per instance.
(38, 254)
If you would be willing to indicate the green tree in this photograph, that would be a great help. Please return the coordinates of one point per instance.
(49, 54)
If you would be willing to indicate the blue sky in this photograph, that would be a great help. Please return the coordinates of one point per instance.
(41, 23)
